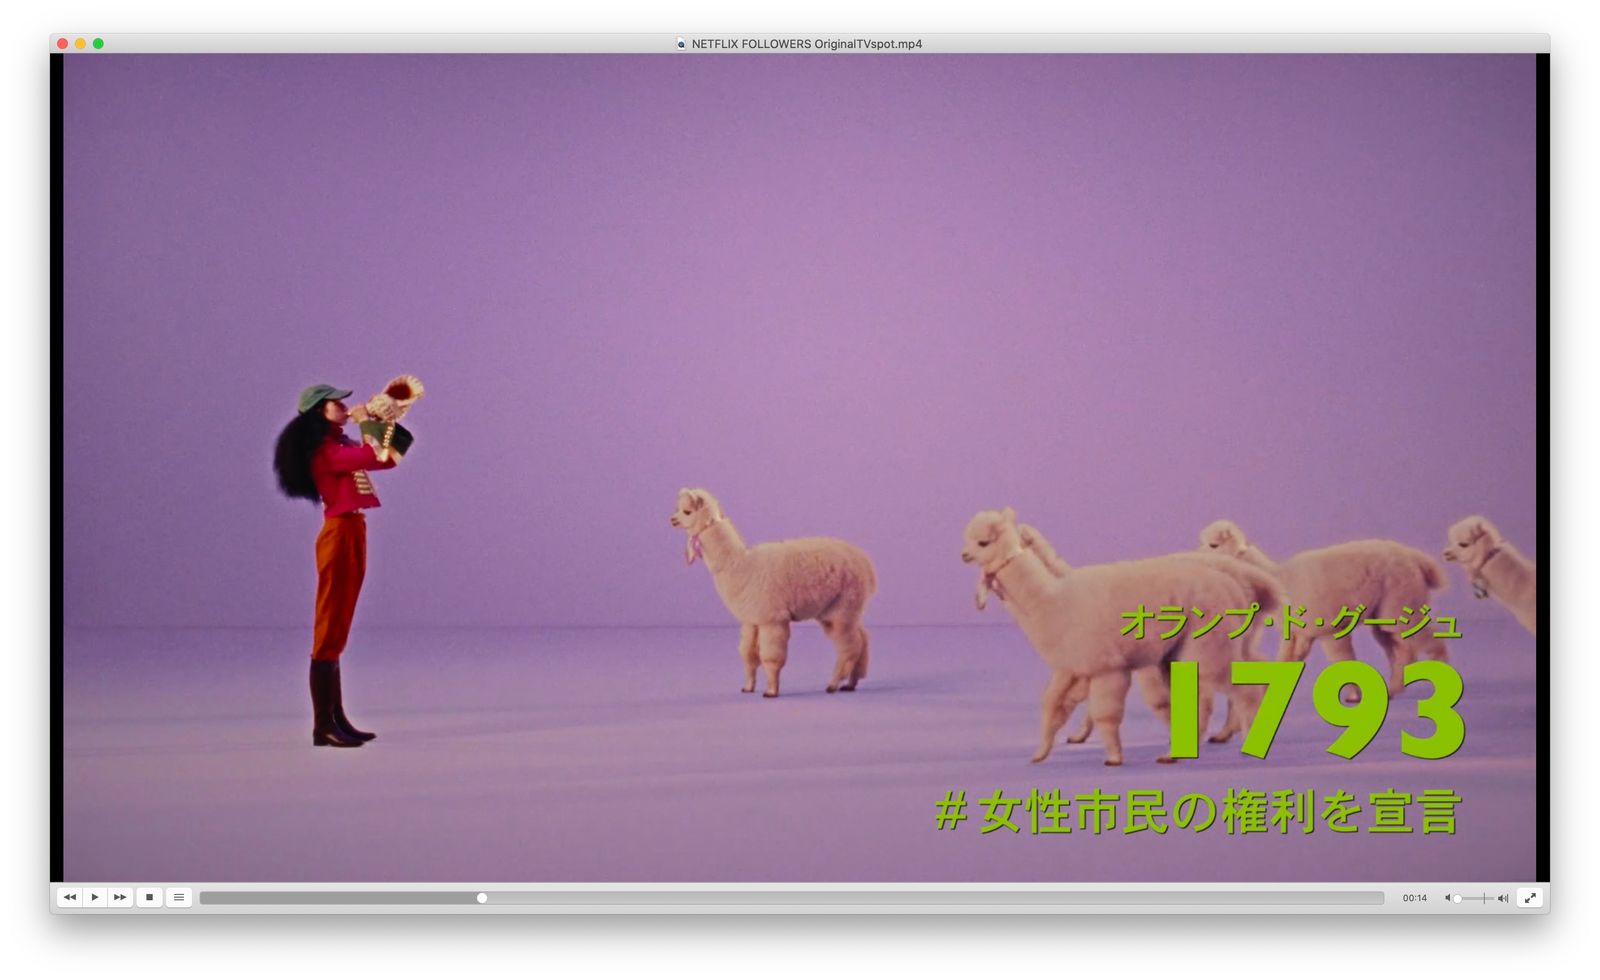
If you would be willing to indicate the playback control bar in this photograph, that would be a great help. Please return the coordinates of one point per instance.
(949, 898)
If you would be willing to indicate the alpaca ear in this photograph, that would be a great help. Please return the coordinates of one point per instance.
(1008, 515)
(1028, 534)
(1481, 528)
(697, 499)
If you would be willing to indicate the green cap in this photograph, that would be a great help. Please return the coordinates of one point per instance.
(316, 394)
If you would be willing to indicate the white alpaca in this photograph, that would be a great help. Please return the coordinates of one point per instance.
(1074, 620)
(771, 585)
(1384, 578)
(1034, 541)
(1496, 568)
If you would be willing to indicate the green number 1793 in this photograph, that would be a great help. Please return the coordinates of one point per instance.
(1360, 720)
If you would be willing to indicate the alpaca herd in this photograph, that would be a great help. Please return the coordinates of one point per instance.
(1074, 616)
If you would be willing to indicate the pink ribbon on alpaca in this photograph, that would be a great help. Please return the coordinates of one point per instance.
(692, 551)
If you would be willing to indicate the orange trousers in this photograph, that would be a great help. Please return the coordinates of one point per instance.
(341, 566)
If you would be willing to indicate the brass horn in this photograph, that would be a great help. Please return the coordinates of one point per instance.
(396, 398)
(384, 412)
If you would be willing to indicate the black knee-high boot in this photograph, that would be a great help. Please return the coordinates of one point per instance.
(339, 717)
(324, 730)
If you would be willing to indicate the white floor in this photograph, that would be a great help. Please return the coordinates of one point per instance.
(630, 755)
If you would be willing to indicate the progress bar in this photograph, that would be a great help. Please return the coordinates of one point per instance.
(834, 898)
(340, 898)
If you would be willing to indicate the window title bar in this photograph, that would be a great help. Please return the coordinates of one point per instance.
(798, 43)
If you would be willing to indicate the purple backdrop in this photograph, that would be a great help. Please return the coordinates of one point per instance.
(857, 295)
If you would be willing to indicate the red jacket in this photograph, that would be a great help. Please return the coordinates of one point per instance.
(339, 471)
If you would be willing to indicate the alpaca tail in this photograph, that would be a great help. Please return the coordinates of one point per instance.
(868, 575)
(1265, 589)
(1432, 574)
(1262, 586)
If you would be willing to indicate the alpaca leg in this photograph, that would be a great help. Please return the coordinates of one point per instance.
(1108, 700)
(1239, 710)
(1295, 648)
(1395, 654)
(1231, 722)
(1434, 649)
(1244, 700)
(858, 664)
(748, 640)
(1401, 605)
(1084, 731)
(1213, 659)
(850, 639)
(1405, 654)
(1076, 695)
(1052, 712)
(1207, 690)
(773, 644)
(839, 634)
(1338, 649)
(1155, 687)
(1213, 656)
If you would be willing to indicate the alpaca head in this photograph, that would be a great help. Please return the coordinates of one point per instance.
(696, 510)
(991, 536)
(1224, 537)
(1471, 541)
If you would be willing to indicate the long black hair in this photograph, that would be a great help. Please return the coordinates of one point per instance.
(297, 443)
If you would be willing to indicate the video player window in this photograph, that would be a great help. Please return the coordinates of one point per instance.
(773, 474)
